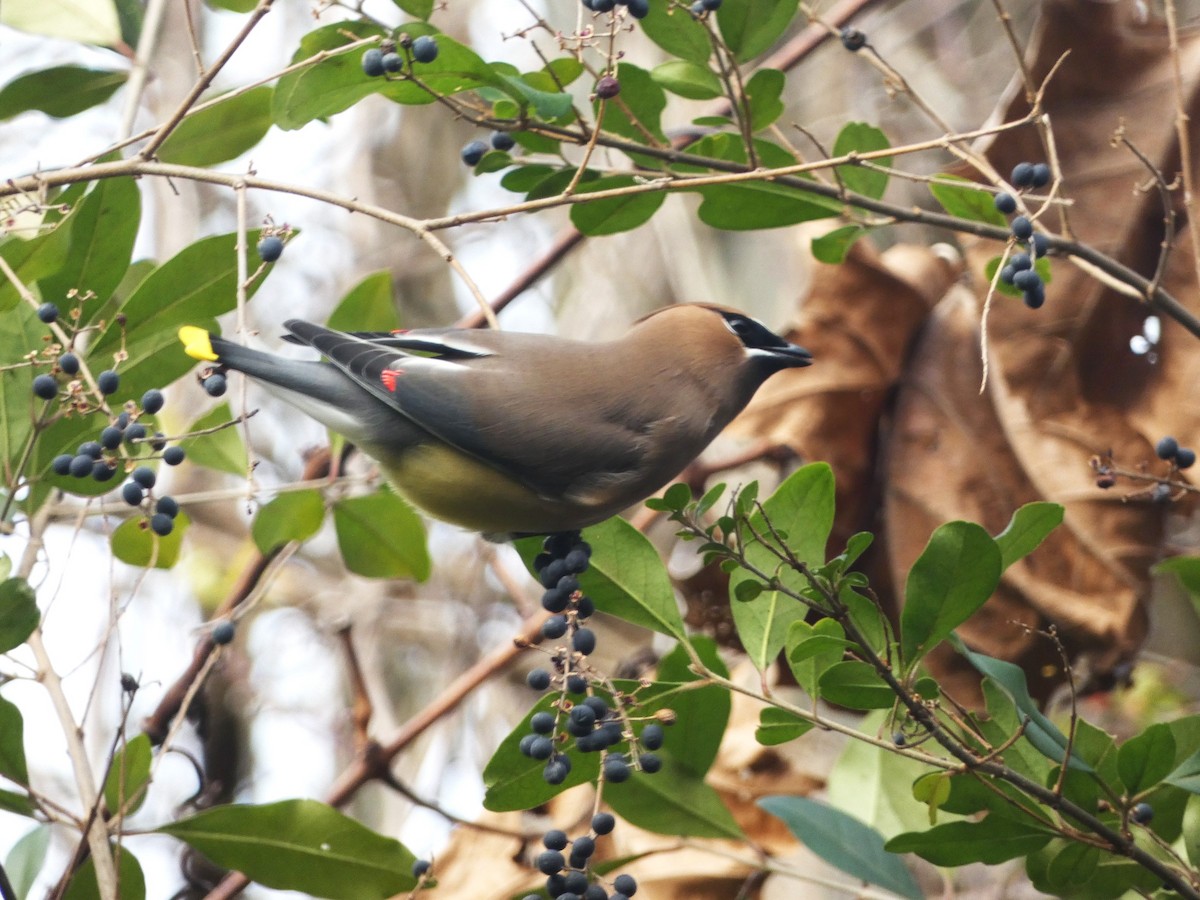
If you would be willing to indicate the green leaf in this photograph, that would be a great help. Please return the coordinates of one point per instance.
(33, 259)
(843, 842)
(763, 91)
(687, 79)
(701, 714)
(636, 111)
(1186, 569)
(614, 214)
(129, 776)
(129, 875)
(369, 306)
(192, 288)
(1043, 734)
(932, 789)
(523, 179)
(751, 26)
(992, 840)
(1187, 774)
(300, 845)
(330, 86)
(221, 132)
(104, 226)
(86, 21)
(25, 859)
(222, 450)
(1146, 759)
(19, 613)
(421, 9)
(12, 802)
(954, 576)
(292, 516)
(673, 801)
(548, 105)
(802, 508)
(858, 137)
(237, 6)
(60, 91)
(12, 743)
(1070, 864)
(678, 32)
(380, 536)
(812, 649)
(1028, 527)
(855, 684)
(964, 199)
(832, 246)
(778, 726)
(135, 544)
(627, 578)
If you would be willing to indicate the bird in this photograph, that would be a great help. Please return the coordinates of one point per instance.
(512, 434)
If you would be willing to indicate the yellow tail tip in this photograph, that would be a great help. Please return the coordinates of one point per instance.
(196, 343)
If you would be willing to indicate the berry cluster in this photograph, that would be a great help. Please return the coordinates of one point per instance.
(568, 876)
(386, 60)
(473, 152)
(1020, 271)
(120, 442)
(639, 9)
(1168, 449)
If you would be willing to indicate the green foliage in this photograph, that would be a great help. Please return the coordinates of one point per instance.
(294, 516)
(221, 132)
(134, 543)
(19, 613)
(60, 91)
(381, 536)
(300, 845)
(222, 449)
(128, 777)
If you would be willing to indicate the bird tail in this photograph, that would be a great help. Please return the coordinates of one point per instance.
(311, 379)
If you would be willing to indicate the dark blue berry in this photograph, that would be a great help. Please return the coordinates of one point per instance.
(223, 632)
(595, 892)
(541, 561)
(122, 420)
(557, 770)
(1167, 447)
(900, 739)
(541, 748)
(583, 846)
(552, 574)
(168, 506)
(650, 763)
(554, 627)
(555, 885)
(420, 867)
(1007, 273)
(616, 769)
(45, 386)
(652, 736)
(526, 744)
(712, 5)
(853, 39)
(625, 884)
(1141, 813)
(1020, 262)
(542, 722)
(1041, 175)
(111, 437)
(214, 385)
(91, 448)
(162, 524)
(555, 839)
(144, 476)
(48, 313)
(393, 62)
(108, 381)
(1022, 227)
(69, 363)
(1027, 280)
(1034, 298)
(608, 87)
(597, 705)
(82, 466)
(1022, 175)
(61, 464)
(473, 152)
(576, 883)
(1041, 245)
(639, 9)
(173, 456)
(503, 141)
(583, 717)
(271, 248)
(538, 679)
(1006, 203)
(555, 601)
(576, 561)
(584, 607)
(550, 862)
(132, 493)
(372, 62)
(425, 49)
(603, 823)
(102, 471)
(1185, 458)
(153, 400)
(584, 641)
(568, 584)
(135, 432)
(576, 684)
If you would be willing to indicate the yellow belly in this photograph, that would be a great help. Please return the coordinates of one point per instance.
(459, 489)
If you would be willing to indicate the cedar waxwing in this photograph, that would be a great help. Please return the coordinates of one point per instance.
(510, 433)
